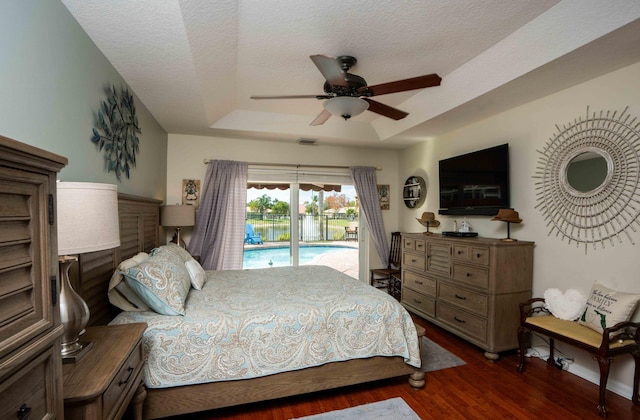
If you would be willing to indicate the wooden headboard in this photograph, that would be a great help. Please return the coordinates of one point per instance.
(139, 231)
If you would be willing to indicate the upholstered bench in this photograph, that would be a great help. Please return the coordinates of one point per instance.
(534, 317)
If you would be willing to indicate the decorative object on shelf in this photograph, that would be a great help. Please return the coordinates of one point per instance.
(191, 192)
(428, 219)
(116, 132)
(87, 218)
(597, 211)
(465, 226)
(383, 195)
(509, 216)
(178, 216)
(414, 192)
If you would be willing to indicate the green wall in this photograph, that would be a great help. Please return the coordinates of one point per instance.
(52, 82)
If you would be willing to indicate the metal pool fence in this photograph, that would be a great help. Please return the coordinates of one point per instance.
(311, 227)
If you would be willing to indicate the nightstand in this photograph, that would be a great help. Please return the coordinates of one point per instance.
(103, 383)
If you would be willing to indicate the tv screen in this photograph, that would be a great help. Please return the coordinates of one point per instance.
(476, 183)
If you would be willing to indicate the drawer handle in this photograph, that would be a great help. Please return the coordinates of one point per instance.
(417, 301)
(419, 282)
(460, 297)
(459, 252)
(24, 411)
(130, 370)
(413, 260)
(459, 320)
(478, 255)
(468, 274)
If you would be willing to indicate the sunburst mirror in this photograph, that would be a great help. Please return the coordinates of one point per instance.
(589, 176)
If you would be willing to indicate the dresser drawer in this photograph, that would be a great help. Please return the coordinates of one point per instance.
(418, 283)
(469, 253)
(31, 389)
(124, 384)
(461, 252)
(416, 261)
(419, 301)
(470, 325)
(458, 296)
(475, 276)
(414, 244)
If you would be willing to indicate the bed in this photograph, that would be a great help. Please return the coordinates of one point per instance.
(264, 364)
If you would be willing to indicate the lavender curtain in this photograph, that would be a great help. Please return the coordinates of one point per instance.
(218, 236)
(364, 180)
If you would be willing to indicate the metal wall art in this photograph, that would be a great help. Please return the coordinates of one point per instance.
(116, 131)
(589, 176)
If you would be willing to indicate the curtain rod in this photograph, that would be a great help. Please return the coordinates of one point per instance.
(294, 165)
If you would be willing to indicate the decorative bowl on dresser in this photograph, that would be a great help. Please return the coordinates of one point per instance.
(469, 286)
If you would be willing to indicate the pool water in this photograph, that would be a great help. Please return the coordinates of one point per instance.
(260, 257)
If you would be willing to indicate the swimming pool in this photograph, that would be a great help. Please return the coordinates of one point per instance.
(279, 256)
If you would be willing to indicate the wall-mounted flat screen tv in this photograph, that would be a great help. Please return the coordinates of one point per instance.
(476, 183)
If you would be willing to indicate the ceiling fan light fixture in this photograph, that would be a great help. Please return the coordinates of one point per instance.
(345, 106)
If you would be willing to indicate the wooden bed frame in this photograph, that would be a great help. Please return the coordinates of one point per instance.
(140, 231)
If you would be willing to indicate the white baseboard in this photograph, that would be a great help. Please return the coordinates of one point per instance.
(612, 385)
(541, 351)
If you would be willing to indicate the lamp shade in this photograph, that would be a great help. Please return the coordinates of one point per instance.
(87, 216)
(177, 215)
(346, 106)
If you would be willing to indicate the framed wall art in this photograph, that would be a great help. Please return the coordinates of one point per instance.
(383, 195)
(191, 192)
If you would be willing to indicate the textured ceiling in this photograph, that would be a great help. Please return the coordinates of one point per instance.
(195, 63)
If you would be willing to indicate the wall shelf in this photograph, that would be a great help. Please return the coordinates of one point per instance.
(414, 192)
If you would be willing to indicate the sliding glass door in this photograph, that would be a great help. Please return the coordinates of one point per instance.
(321, 227)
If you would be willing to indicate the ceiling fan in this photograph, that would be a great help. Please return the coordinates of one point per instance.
(348, 94)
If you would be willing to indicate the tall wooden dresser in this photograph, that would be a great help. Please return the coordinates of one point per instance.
(30, 329)
(469, 286)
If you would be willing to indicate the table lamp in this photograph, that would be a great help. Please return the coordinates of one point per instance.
(87, 218)
(178, 216)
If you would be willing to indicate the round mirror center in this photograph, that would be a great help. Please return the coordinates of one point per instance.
(587, 171)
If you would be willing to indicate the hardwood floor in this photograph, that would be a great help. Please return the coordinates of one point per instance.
(481, 389)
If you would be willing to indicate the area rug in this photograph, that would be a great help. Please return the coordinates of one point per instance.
(392, 409)
(435, 357)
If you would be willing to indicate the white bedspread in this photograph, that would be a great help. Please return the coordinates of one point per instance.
(250, 323)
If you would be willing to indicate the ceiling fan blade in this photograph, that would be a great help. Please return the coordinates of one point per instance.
(291, 97)
(385, 110)
(321, 118)
(419, 82)
(330, 69)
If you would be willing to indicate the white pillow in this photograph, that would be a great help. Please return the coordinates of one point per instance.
(196, 273)
(568, 305)
(607, 307)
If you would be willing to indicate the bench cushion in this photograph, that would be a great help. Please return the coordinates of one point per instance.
(573, 330)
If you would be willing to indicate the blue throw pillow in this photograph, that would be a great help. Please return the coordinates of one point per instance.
(161, 283)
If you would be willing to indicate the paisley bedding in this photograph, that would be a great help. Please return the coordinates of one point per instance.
(250, 323)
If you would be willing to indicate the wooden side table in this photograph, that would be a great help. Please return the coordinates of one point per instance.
(103, 383)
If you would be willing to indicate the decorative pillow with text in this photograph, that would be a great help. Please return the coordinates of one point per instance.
(607, 307)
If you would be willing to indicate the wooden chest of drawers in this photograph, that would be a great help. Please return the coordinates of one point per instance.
(469, 286)
(30, 330)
